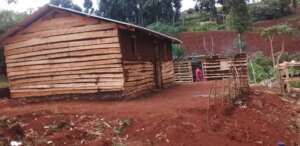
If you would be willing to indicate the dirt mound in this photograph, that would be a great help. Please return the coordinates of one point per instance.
(174, 117)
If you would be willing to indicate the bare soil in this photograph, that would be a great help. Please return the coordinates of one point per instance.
(177, 116)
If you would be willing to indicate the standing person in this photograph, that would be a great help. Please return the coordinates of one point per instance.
(198, 74)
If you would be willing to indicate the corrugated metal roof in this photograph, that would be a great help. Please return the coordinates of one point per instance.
(36, 15)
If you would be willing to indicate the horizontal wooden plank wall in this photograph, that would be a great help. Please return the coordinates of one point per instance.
(65, 54)
(183, 71)
(139, 78)
(217, 68)
(167, 73)
(212, 69)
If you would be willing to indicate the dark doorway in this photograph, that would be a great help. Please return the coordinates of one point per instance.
(196, 64)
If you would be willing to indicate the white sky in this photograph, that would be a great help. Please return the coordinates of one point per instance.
(24, 5)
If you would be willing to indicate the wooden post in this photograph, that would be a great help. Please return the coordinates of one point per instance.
(158, 76)
(287, 78)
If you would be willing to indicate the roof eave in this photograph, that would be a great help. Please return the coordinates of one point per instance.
(175, 40)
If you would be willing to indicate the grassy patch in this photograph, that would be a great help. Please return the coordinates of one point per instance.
(295, 84)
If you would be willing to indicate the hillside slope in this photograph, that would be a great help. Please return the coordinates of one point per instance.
(292, 20)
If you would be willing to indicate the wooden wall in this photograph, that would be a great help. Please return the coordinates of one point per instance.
(141, 52)
(167, 73)
(139, 78)
(63, 53)
(216, 68)
(140, 46)
(183, 71)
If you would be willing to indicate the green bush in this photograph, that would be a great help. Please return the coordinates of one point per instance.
(295, 84)
(263, 68)
(177, 51)
(9, 19)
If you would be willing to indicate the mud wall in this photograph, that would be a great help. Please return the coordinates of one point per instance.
(200, 43)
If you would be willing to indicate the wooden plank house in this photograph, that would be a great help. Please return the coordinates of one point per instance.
(215, 67)
(58, 51)
(217, 62)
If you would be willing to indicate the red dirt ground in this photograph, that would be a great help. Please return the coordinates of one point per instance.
(177, 116)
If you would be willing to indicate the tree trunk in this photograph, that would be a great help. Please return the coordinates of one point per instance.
(240, 42)
(253, 71)
(294, 3)
(212, 44)
(277, 71)
(272, 52)
(281, 51)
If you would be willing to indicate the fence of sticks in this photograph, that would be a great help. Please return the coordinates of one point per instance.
(235, 85)
(233, 88)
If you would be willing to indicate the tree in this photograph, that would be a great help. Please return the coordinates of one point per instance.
(142, 12)
(9, 19)
(208, 6)
(88, 4)
(272, 32)
(270, 9)
(238, 19)
(117, 9)
(284, 6)
(177, 6)
(76, 7)
(66, 4)
(55, 2)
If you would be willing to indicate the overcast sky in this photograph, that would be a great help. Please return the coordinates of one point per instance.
(24, 5)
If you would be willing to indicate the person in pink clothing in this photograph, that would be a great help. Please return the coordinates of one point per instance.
(198, 74)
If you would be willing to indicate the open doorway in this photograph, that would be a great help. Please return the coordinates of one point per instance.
(197, 71)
